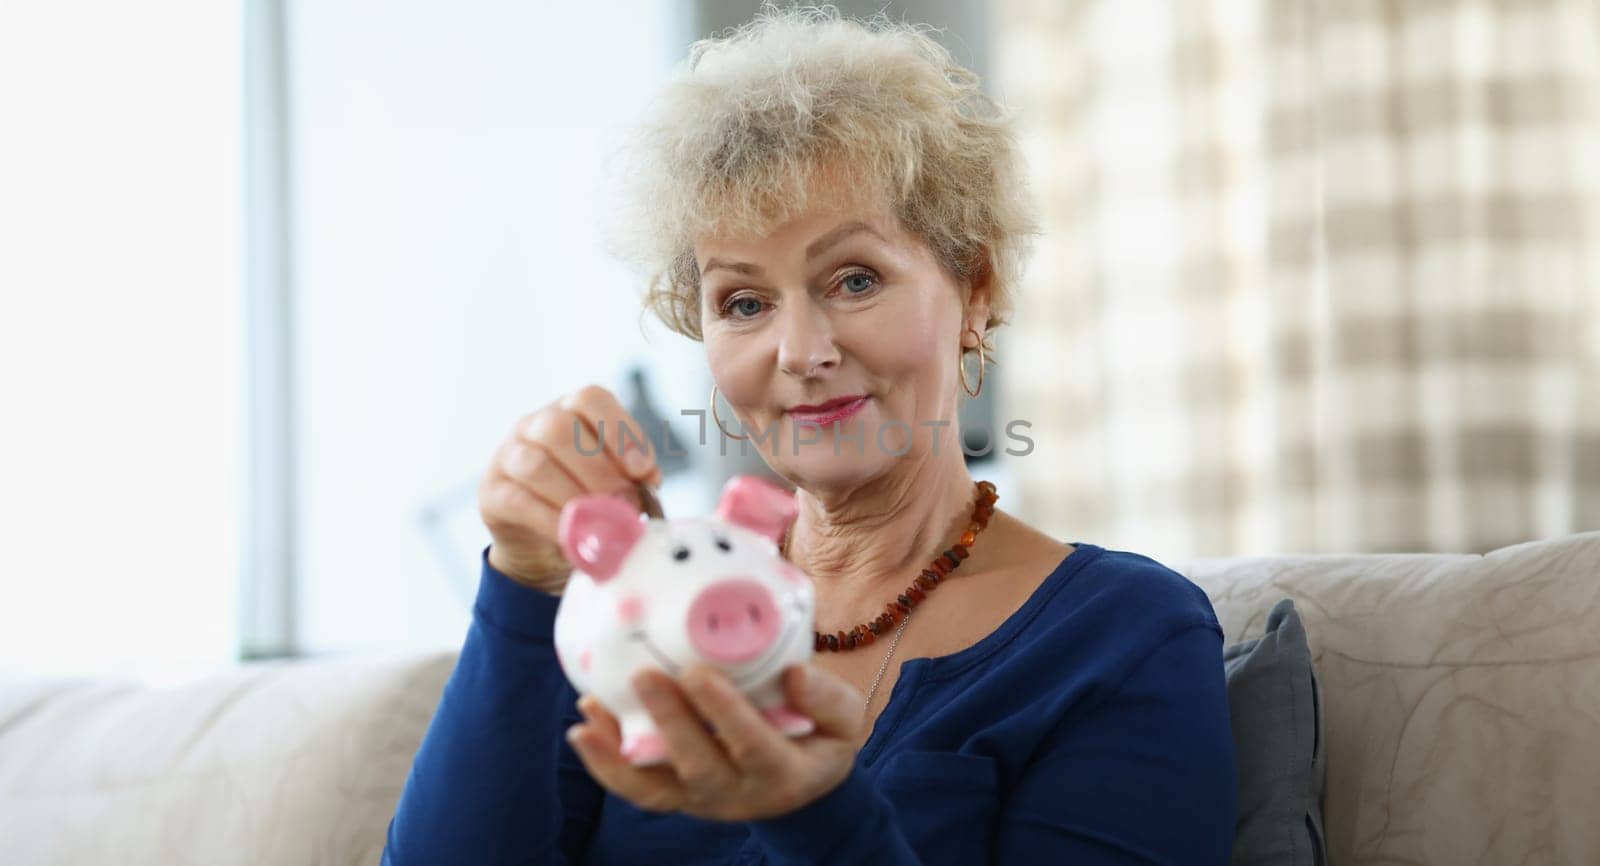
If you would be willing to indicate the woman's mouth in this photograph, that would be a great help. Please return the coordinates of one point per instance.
(840, 409)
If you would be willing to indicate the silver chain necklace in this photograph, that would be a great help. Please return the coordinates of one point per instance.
(885, 666)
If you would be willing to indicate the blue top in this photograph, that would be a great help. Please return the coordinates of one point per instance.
(1091, 727)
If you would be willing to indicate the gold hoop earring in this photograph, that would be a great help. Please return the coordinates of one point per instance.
(961, 365)
(717, 420)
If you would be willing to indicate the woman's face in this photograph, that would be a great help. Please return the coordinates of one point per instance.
(833, 304)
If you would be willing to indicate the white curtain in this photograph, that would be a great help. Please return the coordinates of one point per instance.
(1319, 275)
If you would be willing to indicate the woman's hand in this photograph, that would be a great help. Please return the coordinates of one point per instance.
(746, 769)
(549, 457)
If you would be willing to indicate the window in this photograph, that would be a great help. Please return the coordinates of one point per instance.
(120, 346)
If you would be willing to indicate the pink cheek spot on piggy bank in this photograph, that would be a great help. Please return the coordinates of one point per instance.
(630, 609)
(669, 594)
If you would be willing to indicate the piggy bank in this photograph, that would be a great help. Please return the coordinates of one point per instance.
(666, 594)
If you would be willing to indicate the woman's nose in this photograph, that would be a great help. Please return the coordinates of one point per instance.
(806, 342)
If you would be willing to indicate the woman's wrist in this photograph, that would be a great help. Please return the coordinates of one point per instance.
(547, 575)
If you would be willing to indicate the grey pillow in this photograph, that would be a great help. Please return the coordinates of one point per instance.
(1277, 737)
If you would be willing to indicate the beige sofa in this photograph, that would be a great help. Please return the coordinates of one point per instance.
(1461, 700)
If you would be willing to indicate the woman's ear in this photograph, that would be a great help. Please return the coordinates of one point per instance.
(980, 283)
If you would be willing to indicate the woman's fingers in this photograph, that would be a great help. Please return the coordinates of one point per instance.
(576, 445)
(522, 522)
(514, 508)
(654, 789)
(746, 768)
(695, 754)
(535, 465)
(600, 719)
(567, 441)
(753, 745)
(830, 700)
(624, 439)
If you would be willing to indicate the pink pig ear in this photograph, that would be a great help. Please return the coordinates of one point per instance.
(597, 532)
(755, 504)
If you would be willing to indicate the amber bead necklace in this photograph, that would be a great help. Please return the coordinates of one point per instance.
(899, 610)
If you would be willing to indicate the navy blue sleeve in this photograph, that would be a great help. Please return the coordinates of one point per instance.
(494, 780)
(1147, 777)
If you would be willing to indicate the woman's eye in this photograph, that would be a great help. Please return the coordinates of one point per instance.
(865, 284)
(745, 307)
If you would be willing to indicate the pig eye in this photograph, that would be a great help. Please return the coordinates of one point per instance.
(680, 553)
(723, 545)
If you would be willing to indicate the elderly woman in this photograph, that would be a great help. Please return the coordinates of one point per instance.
(837, 212)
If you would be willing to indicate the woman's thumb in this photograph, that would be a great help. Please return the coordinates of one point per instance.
(830, 701)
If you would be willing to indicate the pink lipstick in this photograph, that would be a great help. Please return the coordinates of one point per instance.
(838, 409)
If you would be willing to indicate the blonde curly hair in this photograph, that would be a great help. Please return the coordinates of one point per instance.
(738, 139)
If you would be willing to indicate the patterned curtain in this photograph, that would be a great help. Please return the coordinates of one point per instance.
(1318, 275)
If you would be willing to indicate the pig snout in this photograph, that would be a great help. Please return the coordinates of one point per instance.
(733, 621)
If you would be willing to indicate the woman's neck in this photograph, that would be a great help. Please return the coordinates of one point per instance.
(872, 540)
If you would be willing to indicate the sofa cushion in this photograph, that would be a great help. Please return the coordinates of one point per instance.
(1272, 698)
(270, 763)
(1460, 695)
